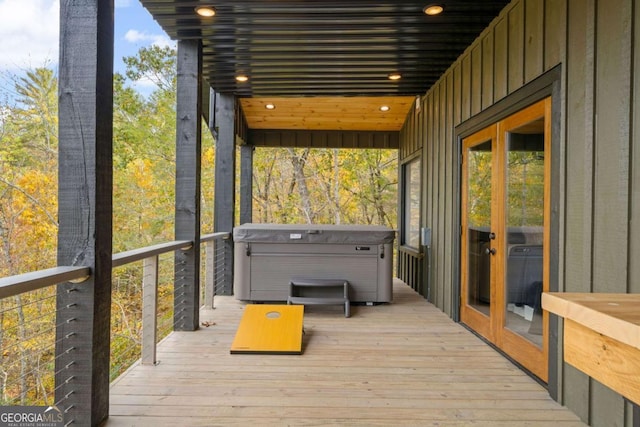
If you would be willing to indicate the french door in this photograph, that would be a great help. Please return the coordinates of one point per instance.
(505, 234)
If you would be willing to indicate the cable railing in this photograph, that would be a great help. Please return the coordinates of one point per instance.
(29, 346)
(218, 273)
(26, 372)
(30, 318)
(127, 311)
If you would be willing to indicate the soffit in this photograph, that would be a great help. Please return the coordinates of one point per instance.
(320, 49)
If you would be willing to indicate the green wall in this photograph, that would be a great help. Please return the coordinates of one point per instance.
(596, 160)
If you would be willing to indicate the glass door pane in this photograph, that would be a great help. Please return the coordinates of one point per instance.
(478, 225)
(524, 210)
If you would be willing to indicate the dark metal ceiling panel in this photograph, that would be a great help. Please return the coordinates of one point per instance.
(328, 48)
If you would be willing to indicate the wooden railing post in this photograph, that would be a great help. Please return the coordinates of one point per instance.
(210, 278)
(218, 273)
(149, 310)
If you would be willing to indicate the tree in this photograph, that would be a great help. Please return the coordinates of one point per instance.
(28, 230)
(325, 186)
(298, 159)
(525, 188)
(144, 151)
(291, 185)
(33, 122)
(28, 183)
(156, 64)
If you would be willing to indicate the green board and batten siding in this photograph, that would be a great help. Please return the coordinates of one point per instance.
(597, 160)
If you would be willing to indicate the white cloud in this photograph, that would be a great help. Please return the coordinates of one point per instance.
(137, 37)
(28, 33)
(145, 83)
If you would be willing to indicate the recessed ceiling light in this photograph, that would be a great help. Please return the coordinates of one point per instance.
(394, 76)
(270, 107)
(384, 108)
(242, 78)
(206, 11)
(433, 9)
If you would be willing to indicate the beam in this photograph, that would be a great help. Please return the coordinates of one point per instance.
(205, 98)
(224, 203)
(246, 183)
(85, 189)
(186, 315)
(324, 138)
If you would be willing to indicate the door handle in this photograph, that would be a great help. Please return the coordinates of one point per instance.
(491, 251)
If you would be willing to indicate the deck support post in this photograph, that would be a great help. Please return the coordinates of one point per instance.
(188, 175)
(246, 183)
(85, 187)
(224, 203)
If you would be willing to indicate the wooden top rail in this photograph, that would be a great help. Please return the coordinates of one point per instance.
(18, 284)
(223, 235)
(15, 285)
(133, 255)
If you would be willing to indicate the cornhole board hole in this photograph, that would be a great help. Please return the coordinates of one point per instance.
(269, 329)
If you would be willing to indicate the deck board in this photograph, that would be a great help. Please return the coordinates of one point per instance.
(403, 363)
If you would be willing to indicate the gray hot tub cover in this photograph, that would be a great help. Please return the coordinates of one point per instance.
(313, 233)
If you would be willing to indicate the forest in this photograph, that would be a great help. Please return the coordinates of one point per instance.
(290, 186)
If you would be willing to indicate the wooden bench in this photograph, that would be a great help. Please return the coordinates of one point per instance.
(325, 292)
(601, 337)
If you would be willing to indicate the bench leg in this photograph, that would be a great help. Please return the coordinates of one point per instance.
(347, 304)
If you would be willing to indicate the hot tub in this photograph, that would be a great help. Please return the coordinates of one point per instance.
(268, 256)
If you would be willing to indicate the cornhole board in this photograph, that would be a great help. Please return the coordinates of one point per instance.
(269, 329)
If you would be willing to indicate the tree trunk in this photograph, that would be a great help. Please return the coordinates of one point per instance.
(22, 338)
(298, 162)
(3, 373)
(336, 186)
(262, 184)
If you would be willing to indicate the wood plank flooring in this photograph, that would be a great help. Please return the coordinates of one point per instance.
(404, 363)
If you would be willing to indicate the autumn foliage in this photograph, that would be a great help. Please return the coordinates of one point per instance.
(290, 186)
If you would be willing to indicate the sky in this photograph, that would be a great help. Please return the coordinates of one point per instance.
(29, 36)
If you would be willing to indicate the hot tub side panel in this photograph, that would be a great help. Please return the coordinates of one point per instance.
(263, 269)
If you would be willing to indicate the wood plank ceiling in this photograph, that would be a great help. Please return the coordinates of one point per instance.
(325, 52)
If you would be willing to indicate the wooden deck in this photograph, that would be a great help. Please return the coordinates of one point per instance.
(404, 363)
